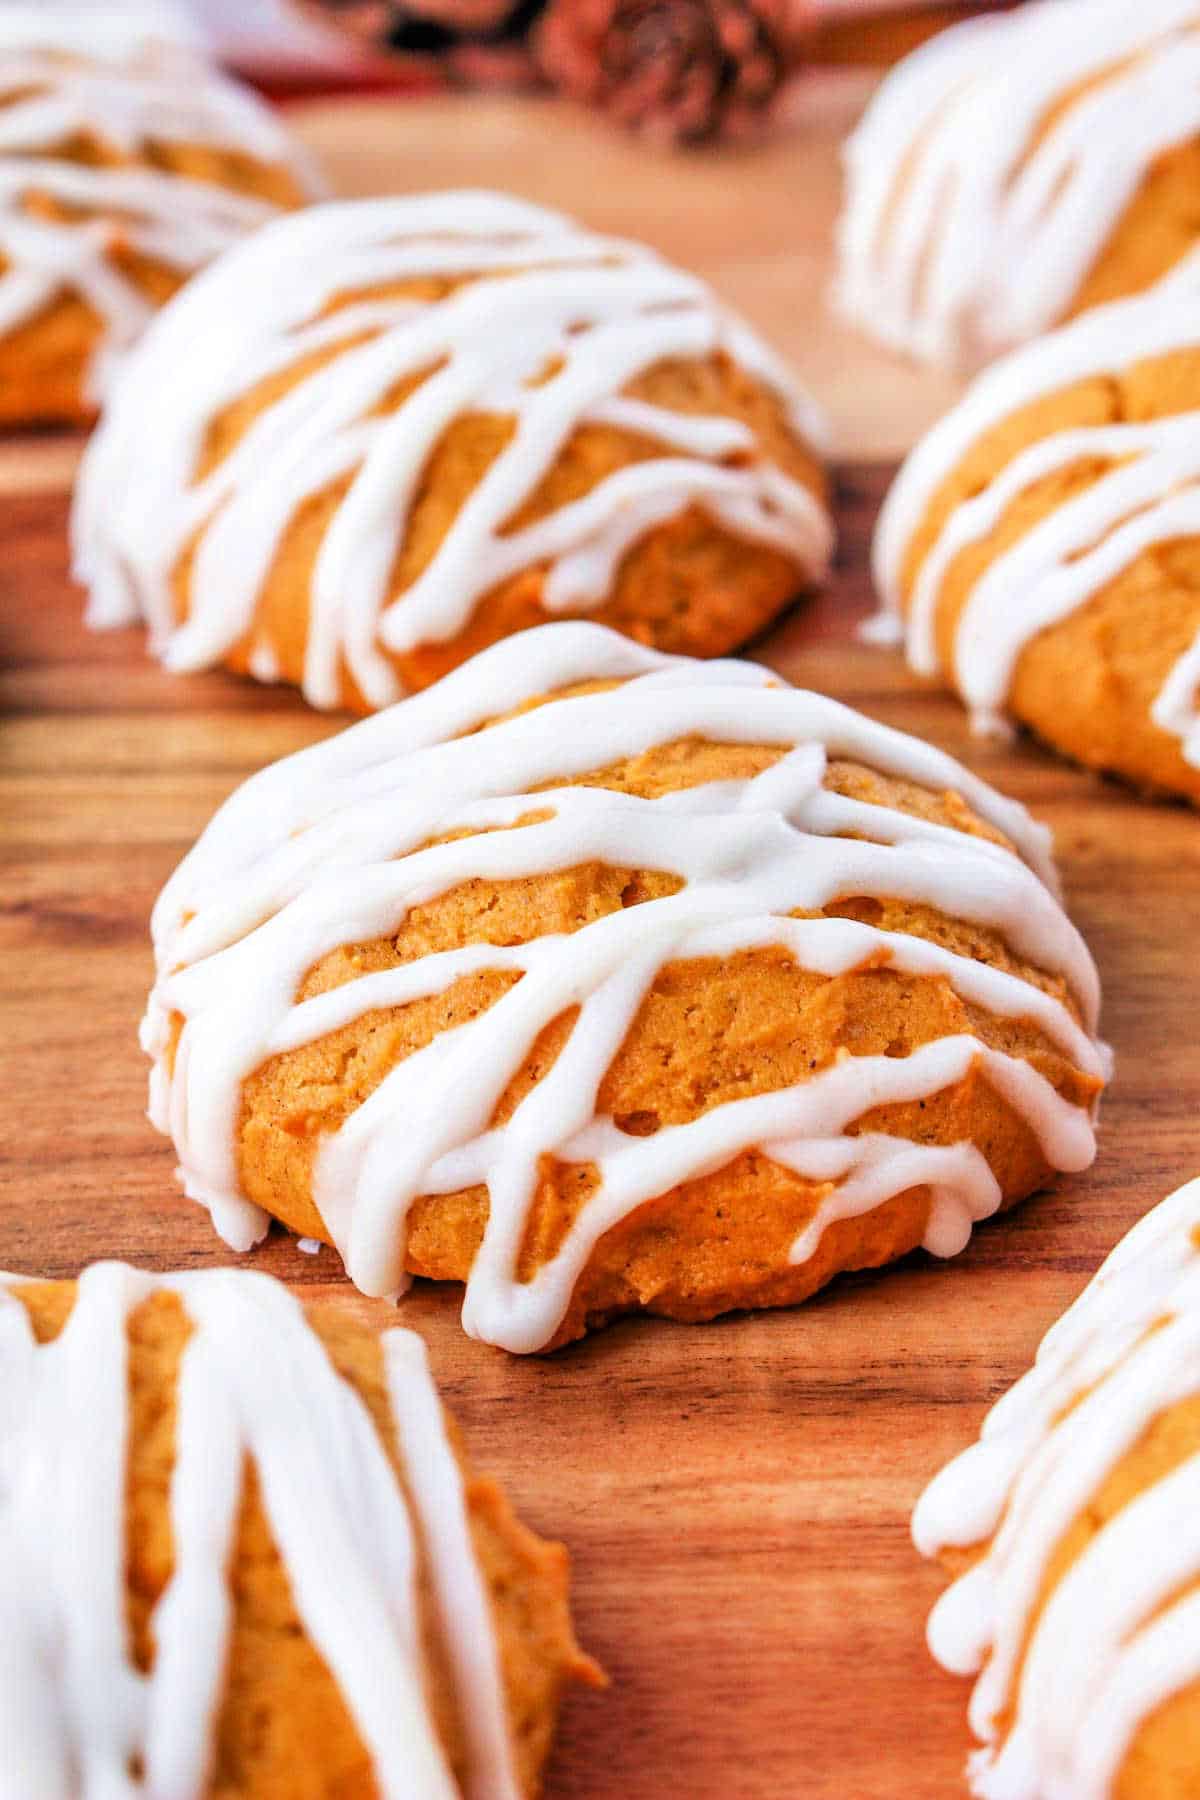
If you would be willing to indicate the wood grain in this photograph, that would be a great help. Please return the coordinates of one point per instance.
(736, 1496)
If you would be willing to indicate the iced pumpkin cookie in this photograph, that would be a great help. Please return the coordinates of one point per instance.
(1072, 1530)
(126, 163)
(599, 981)
(390, 432)
(243, 1554)
(1017, 170)
(1041, 547)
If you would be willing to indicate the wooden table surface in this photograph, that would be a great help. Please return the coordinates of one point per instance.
(736, 1496)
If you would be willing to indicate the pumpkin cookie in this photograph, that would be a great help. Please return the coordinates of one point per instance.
(605, 981)
(1042, 545)
(244, 1556)
(389, 432)
(1017, 170)
(126, 163)
(1071, 1528)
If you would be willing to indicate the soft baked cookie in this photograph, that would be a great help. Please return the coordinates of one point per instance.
(602, 981)
(243, 1555)
(1017, 170)
(389, 432)
(1071, 1527)
(1042, 544)
(126, 162)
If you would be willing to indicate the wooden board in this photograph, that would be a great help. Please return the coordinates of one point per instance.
(735, 1496)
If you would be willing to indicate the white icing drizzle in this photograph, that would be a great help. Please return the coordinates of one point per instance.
(547, 293)
(1150, 497)
(1104, 1654)
(130, 84)
(463, 1609)
(255, 1383)
(325, 849)
(958, 236)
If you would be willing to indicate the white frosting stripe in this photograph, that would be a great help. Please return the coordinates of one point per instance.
(553, 326)
(1177, 706)
(971, 222)
(255, 1383)
(1149, 498)
(1110, 339)
(334, 848)
(1119, 1635)
(131, 85)
(462, 1602)
(193, 1619)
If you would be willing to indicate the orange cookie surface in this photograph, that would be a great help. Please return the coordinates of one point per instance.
(126, 163)
(1017, 170)
(286, 1580)
(413, 427)
(603, 981)
(1070, 1528)
(1041, 546)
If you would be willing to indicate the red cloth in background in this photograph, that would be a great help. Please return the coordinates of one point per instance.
(295, 47)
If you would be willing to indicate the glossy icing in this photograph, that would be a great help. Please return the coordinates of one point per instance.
(532, 318)
(1149, 496)
(1120, 1633)
(326, 849)
(110, 76)
(255, 1383)
(981, 187)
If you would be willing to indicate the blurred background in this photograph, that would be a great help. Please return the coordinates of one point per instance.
(677, 72)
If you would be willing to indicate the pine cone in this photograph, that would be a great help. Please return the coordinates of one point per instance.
(681, 71)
